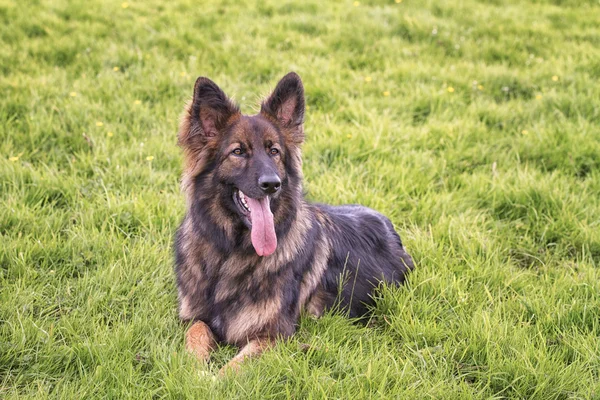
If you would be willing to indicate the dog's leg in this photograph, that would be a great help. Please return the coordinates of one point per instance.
(253, 348)
(200, 341)
(315, 306)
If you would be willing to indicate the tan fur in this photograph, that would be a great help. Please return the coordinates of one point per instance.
(311, 280)
(253, 348)
(251, 318)
(216, 212)
(231, 269)
(313, 277)
(294, 135)
(185, 310)
(195, 158)
(197, 151)
(288, 249)
(193, 271)
(200, 341)
(316, 304)
(296, 161)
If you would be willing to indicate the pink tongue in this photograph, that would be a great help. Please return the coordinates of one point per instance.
(263, 229)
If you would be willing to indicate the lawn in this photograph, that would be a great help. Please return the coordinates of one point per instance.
(474, 125)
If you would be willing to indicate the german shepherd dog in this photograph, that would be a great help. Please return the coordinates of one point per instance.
(251, 253)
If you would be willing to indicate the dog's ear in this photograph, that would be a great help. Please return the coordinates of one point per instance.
(207, 114)
(286, 105)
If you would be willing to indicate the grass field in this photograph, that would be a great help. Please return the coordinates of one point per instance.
(474, 125)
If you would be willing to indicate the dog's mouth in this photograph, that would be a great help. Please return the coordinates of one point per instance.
(260, 219)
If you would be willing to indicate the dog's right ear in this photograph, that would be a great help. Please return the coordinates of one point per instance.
(207, 115)
(286, 106)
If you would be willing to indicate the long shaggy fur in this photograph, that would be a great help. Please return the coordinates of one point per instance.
(238, 296)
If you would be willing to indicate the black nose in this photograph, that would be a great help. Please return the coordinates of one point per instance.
(269, 183)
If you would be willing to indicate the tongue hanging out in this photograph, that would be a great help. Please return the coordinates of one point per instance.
(263, 228)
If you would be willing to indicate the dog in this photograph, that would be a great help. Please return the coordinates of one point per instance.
(251, 253)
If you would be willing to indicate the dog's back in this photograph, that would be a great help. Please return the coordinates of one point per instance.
(365, 251)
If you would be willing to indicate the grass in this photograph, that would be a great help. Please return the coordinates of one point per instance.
(473, 125)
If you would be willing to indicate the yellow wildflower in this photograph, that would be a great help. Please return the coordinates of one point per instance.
(555, 78)
(149, 158)
(73, 94)
(15, 158)
(124, 5)
(115, 69)
(110, 134)
(356, 4)
(368, 79)
(99, 123)
(450, 89)
(386, 93)
(480, 87)
(524, 131)
(538, 97)
(137, 102)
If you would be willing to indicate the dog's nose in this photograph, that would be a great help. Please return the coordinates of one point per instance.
(269, 183)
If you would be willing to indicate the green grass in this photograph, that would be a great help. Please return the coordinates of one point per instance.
(487, 165)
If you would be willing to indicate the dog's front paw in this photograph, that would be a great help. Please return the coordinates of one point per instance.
(233, 366)
(200, 341)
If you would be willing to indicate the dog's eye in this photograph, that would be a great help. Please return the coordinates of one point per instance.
(238, 152)
(274, 151)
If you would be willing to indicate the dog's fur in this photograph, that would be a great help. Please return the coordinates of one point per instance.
(323, 253)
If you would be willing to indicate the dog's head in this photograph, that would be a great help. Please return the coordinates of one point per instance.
(250, 164)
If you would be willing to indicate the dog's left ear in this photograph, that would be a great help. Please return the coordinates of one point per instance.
(286, 105)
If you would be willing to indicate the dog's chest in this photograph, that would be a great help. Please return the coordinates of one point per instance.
(253, 302)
